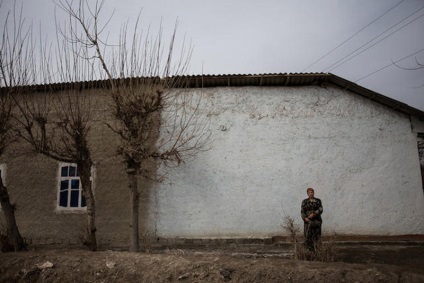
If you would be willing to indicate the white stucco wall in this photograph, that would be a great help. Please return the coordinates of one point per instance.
(271, 143)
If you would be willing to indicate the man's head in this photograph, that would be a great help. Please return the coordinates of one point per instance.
(310, 192)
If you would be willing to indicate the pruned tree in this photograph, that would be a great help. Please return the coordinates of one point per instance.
(57, 126)
(154, 116)
(56, 121)
(418, 66)
(12, 74)
(13, 237)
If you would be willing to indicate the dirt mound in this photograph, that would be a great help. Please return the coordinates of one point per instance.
(65, 265)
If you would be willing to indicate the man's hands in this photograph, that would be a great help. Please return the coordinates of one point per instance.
(310, 216)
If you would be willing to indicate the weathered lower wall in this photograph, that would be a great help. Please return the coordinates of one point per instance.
(39, 220)
(271, 143)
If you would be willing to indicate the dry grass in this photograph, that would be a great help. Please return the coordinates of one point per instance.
(147, 239)
(325, 251)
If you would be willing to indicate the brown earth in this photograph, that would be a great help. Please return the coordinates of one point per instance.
(375, 262)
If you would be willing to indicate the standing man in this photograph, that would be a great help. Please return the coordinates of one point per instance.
(311, 211)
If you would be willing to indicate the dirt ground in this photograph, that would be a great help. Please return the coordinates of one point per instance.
(251, 263)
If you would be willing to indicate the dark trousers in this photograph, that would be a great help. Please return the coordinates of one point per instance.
(312, 234)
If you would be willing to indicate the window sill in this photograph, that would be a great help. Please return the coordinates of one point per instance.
(71, 210)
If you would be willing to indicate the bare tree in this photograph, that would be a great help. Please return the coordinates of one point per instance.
(55, 119)
(57, 126)
(418, 66)
(155, 118)
(12, 49)
(13, 238)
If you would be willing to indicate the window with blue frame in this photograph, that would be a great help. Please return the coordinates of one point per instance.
(70, 193)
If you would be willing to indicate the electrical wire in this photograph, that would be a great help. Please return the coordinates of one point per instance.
(331, 51)
(330, 67)
(391, 64)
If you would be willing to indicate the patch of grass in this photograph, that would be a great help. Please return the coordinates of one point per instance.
(147, 239)
(324, 251)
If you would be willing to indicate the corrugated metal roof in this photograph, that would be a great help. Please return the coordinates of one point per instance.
(372, 95)
(301, 79)
(282, 79)
(239, 80)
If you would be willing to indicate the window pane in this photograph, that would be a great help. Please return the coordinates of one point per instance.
(64, 185)
(72, 171)
(74, 198)
(63, 199)
(74, 184)
(64, 172)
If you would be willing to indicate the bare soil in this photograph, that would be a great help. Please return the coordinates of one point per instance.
(249, 263)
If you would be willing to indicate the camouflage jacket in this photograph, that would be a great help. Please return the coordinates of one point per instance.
(309, 207)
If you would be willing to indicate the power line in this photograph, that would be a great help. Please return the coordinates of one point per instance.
(391, 64)
(352, 36)
(330, 67)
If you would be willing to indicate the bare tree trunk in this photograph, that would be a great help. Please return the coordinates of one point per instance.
(135, 203)
(91, 223)
(14, 237)
(85, 176)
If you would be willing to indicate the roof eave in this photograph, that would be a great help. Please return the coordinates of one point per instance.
(240, 80)
(375, 96)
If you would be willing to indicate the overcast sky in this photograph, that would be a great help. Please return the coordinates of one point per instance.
(285, 36)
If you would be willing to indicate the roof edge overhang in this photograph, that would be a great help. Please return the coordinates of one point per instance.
(375, 96)
(241, 80)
